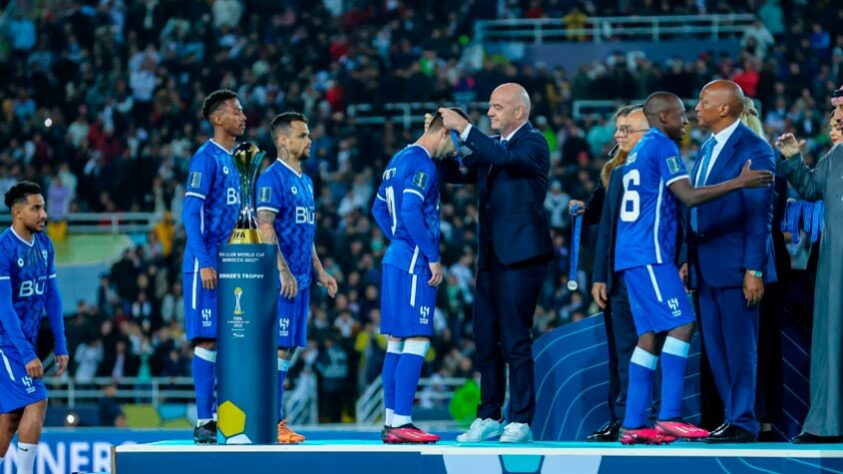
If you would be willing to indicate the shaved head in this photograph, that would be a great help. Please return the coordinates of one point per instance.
(721, 104)
(509, 107)
(666, 112)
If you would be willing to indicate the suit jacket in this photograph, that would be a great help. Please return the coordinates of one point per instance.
(511, 186)
(604, 256)
(733, 232)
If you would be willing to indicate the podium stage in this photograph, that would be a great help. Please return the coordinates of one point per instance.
(373, 457)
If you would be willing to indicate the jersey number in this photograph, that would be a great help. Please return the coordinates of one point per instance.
(390, 206)
(631, 205)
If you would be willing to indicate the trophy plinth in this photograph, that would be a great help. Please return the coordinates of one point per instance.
(247, 159)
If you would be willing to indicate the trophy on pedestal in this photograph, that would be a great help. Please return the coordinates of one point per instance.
(247, 159)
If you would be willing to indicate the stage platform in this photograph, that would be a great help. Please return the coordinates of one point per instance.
(373, 457)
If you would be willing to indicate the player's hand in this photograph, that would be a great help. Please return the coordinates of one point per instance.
(61, 364)
(452, 120)
(750, 178)
(329, 282)
(753, 289)
(428, 118)
(289, 285)
(683, 275)
(789, 145)
(437, 274)
(598, 292)
(34, 369)
(575, 202)
(209, 278)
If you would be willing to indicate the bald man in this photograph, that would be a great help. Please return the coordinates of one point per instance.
(729, 254)
(511, 172)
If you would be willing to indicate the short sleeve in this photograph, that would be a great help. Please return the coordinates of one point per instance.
(419, 180)
(199, 177)
(671, 166)
(268, 195)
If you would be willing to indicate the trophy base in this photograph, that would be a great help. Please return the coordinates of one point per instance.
(245, 236)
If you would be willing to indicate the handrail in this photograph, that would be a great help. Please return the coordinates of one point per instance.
(113, 223)
(599, 29)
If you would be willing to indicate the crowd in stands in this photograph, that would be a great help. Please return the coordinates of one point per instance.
(101, 104)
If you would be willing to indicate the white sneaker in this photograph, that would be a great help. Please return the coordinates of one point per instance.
(481, 429)
(517, 433)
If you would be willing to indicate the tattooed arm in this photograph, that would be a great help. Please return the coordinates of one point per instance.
(289, 286)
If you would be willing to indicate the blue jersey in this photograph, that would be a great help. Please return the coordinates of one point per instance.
(289, 194)
(27, 267)
(214, 179)
(649, 214)
(410, 192)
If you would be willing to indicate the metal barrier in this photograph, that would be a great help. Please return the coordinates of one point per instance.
(599, 29)
(104, 223)
(406, 114)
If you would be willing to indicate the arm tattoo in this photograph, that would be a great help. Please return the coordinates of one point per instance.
(266, 217)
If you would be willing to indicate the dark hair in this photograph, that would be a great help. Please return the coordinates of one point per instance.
(281, 123)
(19, 192)
(437, 122)
(214, 101)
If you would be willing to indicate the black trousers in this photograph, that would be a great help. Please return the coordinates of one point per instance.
(504, 305)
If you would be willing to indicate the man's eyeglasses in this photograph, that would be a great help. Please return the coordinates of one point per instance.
(629, 130)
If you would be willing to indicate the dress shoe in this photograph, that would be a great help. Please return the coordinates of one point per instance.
(808, 438)
(731, 434)
(606, 433)
(720, 428)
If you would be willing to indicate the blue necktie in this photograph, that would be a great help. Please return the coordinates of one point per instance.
(707, 149)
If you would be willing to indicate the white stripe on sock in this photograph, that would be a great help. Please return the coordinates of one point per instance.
(676, 347)
(205, 354)
(401, 420)
(418, 348)
(387, 418)
(395, 347)
(644, 359)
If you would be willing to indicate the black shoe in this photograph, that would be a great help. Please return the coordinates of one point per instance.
(206, 433)
(720, 428)
(808, 438)
(767, 436)
(731, 434)
(606, 433)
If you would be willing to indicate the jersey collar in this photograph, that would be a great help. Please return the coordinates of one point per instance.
(220, 146)
(297, 173)
(423, 148)
(29, 244)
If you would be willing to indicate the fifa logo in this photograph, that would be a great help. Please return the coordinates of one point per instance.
(673, 303)
(31, 287)
(283, 327)
(424, 311)
(238, 293)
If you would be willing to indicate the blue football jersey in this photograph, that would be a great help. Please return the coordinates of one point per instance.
(410, 174)
(289, 194)
(649, 213)
(27, 267)
(214, 179)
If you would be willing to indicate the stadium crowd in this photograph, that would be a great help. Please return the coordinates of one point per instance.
(101, 105)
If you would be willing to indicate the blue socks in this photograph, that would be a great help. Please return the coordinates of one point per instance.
(204, 361)
(642, 367)
(674, 359)
(283, 367)
(390, 363)
(407, 375)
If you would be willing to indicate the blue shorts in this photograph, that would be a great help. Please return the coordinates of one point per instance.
(407, 304)
(657, 298)
(292, 319)
(200, 308)
(17, 390)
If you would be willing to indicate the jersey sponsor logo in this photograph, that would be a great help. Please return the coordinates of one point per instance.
(195, 180)
(284, 327)
(206, 318)
(305, 215)
(673, 303)
(231, 196)
(424, 315)
(31, 287)
(420, 179)
(264, 194)
(673, 164)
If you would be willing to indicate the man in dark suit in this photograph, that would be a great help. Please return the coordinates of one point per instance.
(729, 253)
(511, 174)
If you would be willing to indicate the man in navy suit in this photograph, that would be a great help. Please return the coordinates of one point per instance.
(511, 173)
(730, 256)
